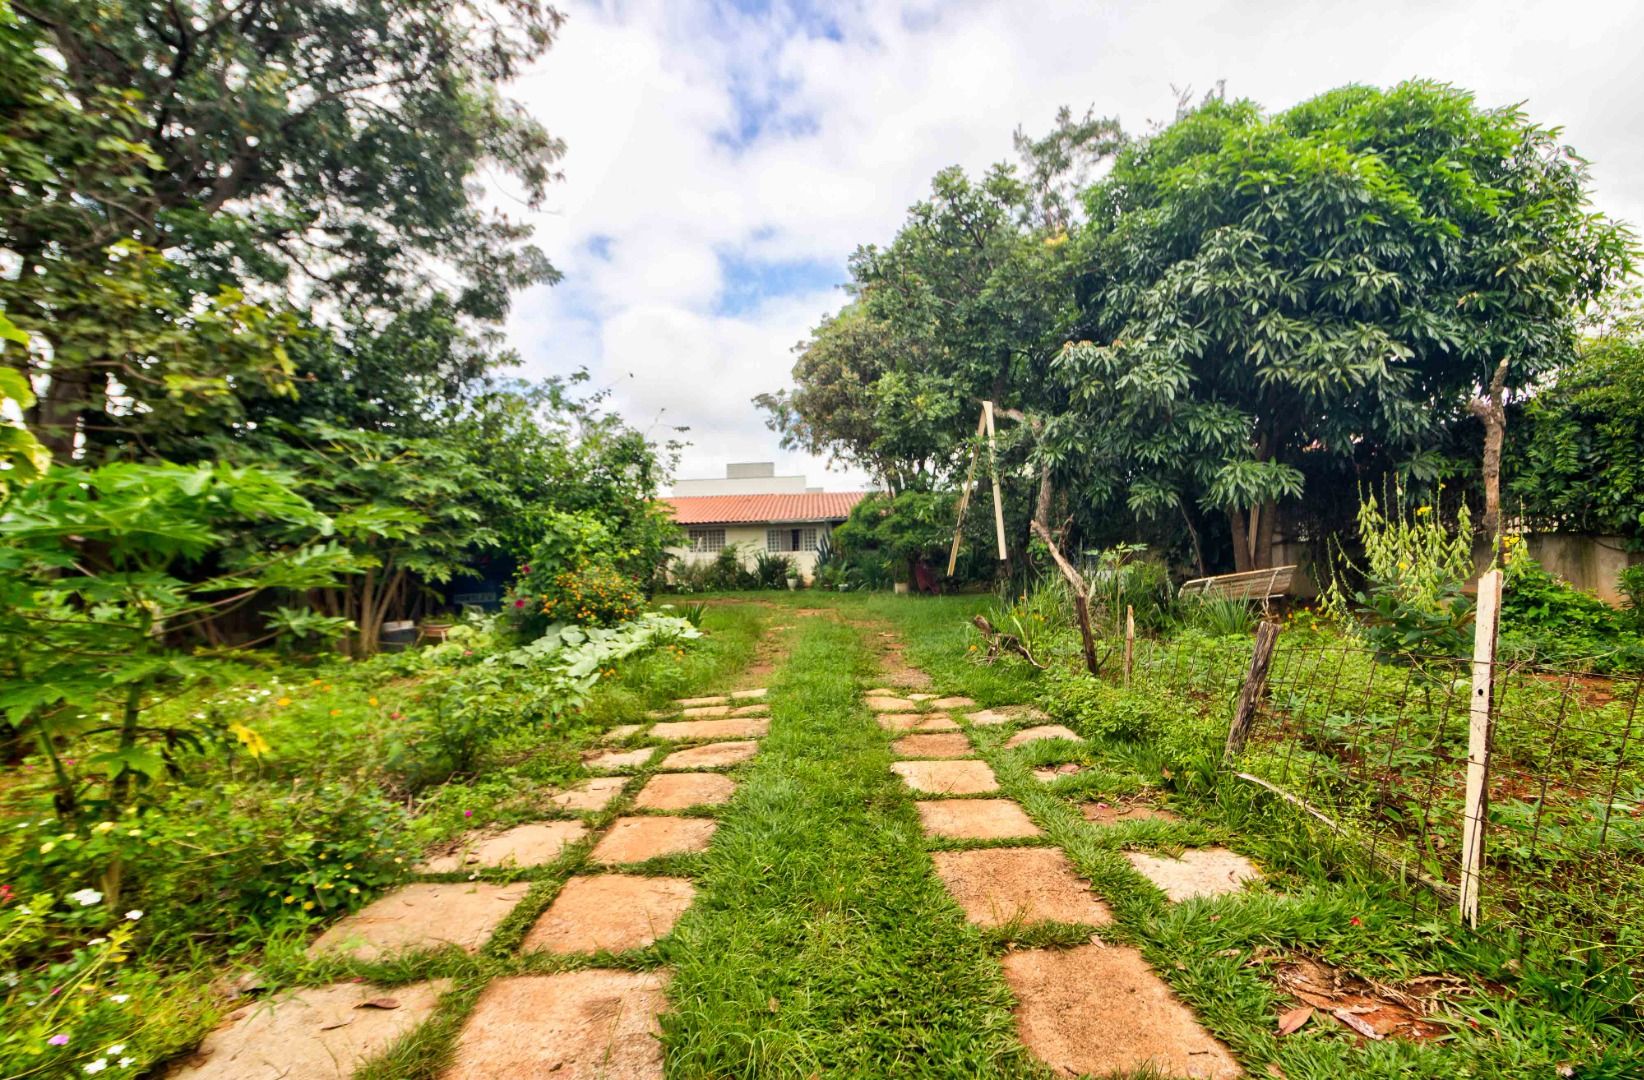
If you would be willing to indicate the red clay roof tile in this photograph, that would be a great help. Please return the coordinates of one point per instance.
(758, 509)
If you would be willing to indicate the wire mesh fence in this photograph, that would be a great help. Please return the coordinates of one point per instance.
(1379, 747)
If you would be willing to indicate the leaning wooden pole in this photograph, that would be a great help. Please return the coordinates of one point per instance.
(1081, 597)
(964, 495)
(993, 471)
(1255, 684)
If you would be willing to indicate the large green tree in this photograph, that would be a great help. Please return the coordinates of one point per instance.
(319, 154)
(1335, 282)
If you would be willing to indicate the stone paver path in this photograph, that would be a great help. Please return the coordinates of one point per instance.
(711, 729)
(717, 755)
(1199, 872)
(524, 845)
(947, 745)
(583, 1025)
(976, 819)
(997, 886)
(917, 722)
(422, 916)
(947, 777)
(1042, 733)
(610, 911)
(592, 794)
(681, 791)
(319, 1033)
(636, 839)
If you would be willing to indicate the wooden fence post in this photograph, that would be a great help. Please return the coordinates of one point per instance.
(1130, 639)
(1255, 682)
(1480, 722)
(1081, 597)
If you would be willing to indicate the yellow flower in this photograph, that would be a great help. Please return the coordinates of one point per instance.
(371, 701)
(336, 712)
(308, 905)
(283, 702)
(1422, 511)
(290, 900)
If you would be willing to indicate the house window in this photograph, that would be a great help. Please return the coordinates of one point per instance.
(800, 539)
(707, 540)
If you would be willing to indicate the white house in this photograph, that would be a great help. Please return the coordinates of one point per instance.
(744, 510)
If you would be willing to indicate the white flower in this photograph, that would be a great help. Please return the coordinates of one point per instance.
(127, 1062)
(119, 999)
(117, 1048)
(98, 941)
(86, 897)
(96, 1066)
(133, 915)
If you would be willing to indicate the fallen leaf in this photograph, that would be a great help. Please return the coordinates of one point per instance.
(1357, 1024)
(378, 1003)
(773, 1005)
(335, 1026)
(1292, 1021)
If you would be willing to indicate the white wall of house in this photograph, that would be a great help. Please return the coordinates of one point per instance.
(750, 540)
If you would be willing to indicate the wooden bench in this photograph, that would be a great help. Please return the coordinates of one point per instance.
(1259, 585)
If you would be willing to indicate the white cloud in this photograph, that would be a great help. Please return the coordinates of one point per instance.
(854, 123)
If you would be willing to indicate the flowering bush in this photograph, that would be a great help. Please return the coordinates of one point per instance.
(574, 574)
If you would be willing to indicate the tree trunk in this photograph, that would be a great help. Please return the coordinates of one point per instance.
(1252, 535)
(1491, 409)
(56, 420)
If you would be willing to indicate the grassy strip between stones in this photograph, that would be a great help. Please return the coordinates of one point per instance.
(821, 941)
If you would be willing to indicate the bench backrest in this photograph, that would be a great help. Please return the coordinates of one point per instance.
(1260, 585)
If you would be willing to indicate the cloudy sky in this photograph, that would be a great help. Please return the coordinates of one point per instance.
(726, 157)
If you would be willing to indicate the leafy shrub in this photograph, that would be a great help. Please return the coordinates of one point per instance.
(594, 594)
(1220, 616)
(1098, 708)
(772, 571)
(1631, 584)
(1411, 601)
(1544, 619)
(573, 574)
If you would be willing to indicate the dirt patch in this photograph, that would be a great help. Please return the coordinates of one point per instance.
(893, 662)
(975, 819)
(946, 745)
(320, 1033)
(881, 704)
(947, 777)
(1006, 714)
(680, 791)
(595, 793)
(620, 732)
(612, 760)
(577, 1025)
(712, 729)
(1041, 733)
(997, 886)
(610, 911)
(711, 755)
(531, 844)
(1099, 1009)
(422, 916)
(635, 839)
(1370, 1009)
(1209, 871)
(1101, 813)
(916, 722)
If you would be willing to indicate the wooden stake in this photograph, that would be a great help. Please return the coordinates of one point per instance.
(993, 470)
(1479, 730)
(1255, 681)
(964, 496)
(1130, 639)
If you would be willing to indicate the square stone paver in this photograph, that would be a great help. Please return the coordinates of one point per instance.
(610, 911)
(1208, 871)
(610, 760)
(425, 915)
(712, 729)
(952, 703)
(975, 819)
(697, 702)
(620, 732)
(882, 703)
(711, 755)
(921, 697)
(1100, 1010)
(758, 708)
(531, 844)
(1041, 733)
(705, 711)
(576, 1025)
(952, 744)
(749, 695)
(679, 791)
(1006, 714)
(947, 777)
(594, 793)
(889, 691)
(996, 886)
(635, 839)
(916, 722)
(320, 1033)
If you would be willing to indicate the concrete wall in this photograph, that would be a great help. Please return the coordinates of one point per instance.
(1590, 563)
(750, 541)
(741, 485)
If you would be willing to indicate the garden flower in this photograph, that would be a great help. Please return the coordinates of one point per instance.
(133, 915)
(86, 897)
(96, 1066)
(283, 702)
(58, 1040)
(371, 701)
(117, 1048)
(119, 999)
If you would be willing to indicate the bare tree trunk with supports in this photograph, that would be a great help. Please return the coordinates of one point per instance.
(1491, 409)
